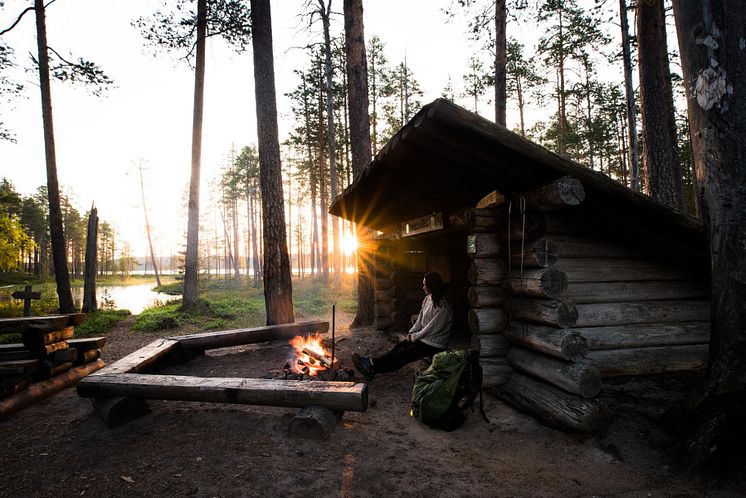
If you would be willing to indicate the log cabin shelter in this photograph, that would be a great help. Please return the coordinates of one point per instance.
(561, 276)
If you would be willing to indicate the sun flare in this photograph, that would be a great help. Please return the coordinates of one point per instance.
(349, 244)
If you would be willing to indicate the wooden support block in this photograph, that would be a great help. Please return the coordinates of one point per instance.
(551, 405)
(577, 377)
(491, 200)
(40, 390)
(87, 343)
(46, 350)
(492, 345)
(566, 344)
(537, 283)
(337, 396)
(600, 314)
(486, 271)
(614, 292)
(34, 339)
(313, 422)
(645, 335)
(87, 356)
(645, 361)
(495, 371)
(556, 313)
(238, 337)
(487, 320)
(120, 410)
(615, 270)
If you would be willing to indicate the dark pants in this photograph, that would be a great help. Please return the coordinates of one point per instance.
(403, 353)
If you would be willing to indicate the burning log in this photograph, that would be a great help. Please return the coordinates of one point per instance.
(318, 357)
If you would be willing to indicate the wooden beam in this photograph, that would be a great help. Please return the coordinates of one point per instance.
(143, 358)
(40, 390)
(577, 377)
(566, 344)
(337, 396)
(555, 312)
(559, 194)
(87, 343)
(654, 290)
(492, 345)
(551, 405)
(484, 245)
(538, 254)
(537, 283)
(238, 337)
(645, 361)
(655, 312)
(18, 367)
(491, 200)
(615, 269)
(645, 335)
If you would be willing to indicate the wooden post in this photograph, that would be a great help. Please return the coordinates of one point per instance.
(27, 296)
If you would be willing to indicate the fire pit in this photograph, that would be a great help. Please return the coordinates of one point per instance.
(311, 360)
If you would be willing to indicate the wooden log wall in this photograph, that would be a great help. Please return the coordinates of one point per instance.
(487, 317)
(382, 286)
(585, 305)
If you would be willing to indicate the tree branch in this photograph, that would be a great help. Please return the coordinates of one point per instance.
(17, 20)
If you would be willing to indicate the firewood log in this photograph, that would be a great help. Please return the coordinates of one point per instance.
(35, 339)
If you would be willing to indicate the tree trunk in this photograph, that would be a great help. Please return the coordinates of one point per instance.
(661, 158)
(278, 290)
(717, 123)
(147, 230)
(630, 96)
(501, 56)
(357, 91)
(56, 231)
(330, 136)
(91, 258)
(191, 260)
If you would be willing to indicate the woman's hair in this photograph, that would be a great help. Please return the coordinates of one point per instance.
(437, 288)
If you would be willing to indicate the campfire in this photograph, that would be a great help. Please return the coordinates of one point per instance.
(311, 356)
(311, 360)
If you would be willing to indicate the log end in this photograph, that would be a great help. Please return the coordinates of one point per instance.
(120, 410)
(571, 191)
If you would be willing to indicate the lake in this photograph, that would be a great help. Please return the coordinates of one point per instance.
(131, 297)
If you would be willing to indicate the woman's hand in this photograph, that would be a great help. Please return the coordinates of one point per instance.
(409, 338)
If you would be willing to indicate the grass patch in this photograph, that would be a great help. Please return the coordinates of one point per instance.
(163, 317)
(100, 322)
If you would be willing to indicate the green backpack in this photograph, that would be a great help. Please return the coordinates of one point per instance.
(449, 386)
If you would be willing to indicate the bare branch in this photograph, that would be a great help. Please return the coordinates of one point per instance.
(17, 20)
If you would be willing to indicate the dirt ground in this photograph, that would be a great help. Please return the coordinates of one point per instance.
(59, 447)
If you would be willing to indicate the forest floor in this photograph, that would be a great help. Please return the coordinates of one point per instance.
(59, 447)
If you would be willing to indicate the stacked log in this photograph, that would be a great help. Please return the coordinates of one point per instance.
(406, 297)
(48, 350)
(487, 318)
(550, 379)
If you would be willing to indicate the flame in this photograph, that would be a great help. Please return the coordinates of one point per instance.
(302, 360)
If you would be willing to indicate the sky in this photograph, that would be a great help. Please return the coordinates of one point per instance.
(147, 116)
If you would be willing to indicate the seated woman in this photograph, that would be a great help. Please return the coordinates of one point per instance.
(428, 336)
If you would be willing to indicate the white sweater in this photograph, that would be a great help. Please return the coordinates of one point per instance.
(433, 325)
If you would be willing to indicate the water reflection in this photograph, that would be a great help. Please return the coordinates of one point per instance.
(131, 297)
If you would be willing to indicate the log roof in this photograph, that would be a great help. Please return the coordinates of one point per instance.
(446, 158)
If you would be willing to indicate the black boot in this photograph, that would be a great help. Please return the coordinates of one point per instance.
(363, 365)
